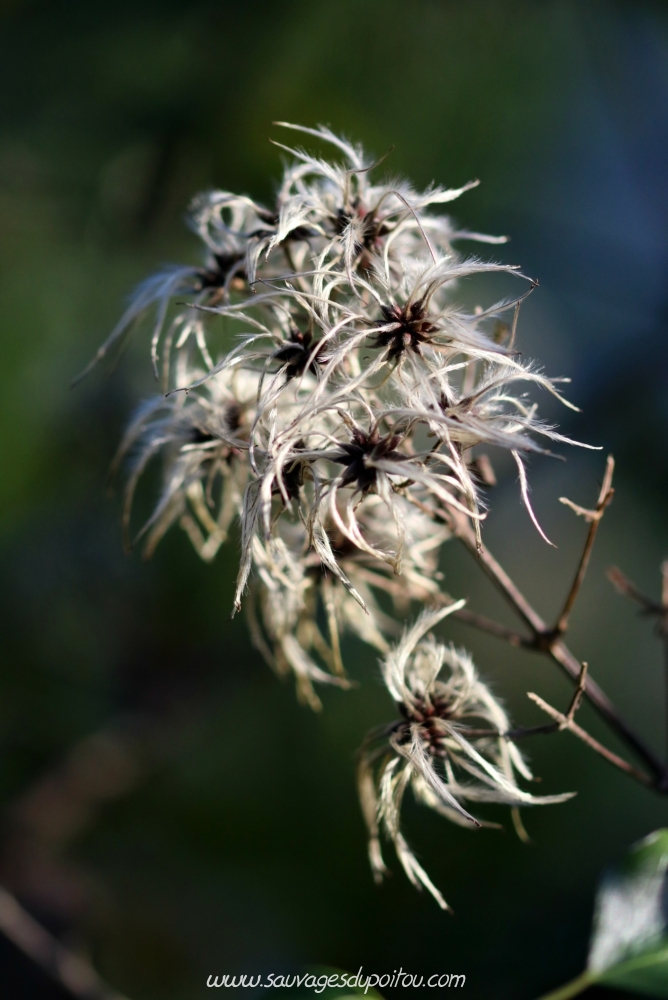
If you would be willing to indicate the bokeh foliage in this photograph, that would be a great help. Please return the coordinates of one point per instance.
(235, 843)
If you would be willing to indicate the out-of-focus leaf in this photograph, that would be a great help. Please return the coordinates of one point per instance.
(629, 947)
(629, 944)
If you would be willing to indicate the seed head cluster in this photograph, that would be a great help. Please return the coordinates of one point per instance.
(322, 387)
(436, 747)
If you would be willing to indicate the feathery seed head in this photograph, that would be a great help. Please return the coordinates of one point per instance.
(321, 386)
(321, 380)
(434, 748)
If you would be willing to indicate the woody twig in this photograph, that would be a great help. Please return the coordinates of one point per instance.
(73, 972)
(567, 721)
(648, 607)
(548, 639)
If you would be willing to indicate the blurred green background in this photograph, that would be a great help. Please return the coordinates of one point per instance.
(168, 808)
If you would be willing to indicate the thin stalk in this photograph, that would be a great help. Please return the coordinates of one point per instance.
(74, 973)
(663, 631)
(547, 641)
(572, 989)
(492, 627)
(665, 675)
(566, 722)
(649, 607)
(594, 517)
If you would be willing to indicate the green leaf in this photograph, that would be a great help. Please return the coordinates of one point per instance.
(629, 946)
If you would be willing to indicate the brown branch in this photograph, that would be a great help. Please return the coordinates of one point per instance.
(492, 627)
(523, 731)
(663, 629)
(495, 572)
(515, 734)
(648, 607)
(594, 518)
(567, 722)
(627, 588)
(609, 713)
(579, 691)
(548, 642)
(71, 971)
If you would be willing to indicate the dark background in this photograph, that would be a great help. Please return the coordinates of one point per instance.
(168, 808)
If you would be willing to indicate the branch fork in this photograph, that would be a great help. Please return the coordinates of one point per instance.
(549, 640)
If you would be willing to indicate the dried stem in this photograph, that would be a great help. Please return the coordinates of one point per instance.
(71, 971)
(663, 631)
(579, 691)
(550, 727)
(516, 734)
(547, 640)
(494, 628)
(594, 517)
(567, 722)
(649, 607)
(628, 589)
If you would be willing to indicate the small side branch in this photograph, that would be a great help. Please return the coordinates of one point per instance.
(567, 721)
(594, 518)
(577, 694)
(520, 733)
(649, 607)
(492, 628)
(548, 640)
(627, 588)
(71, 971)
